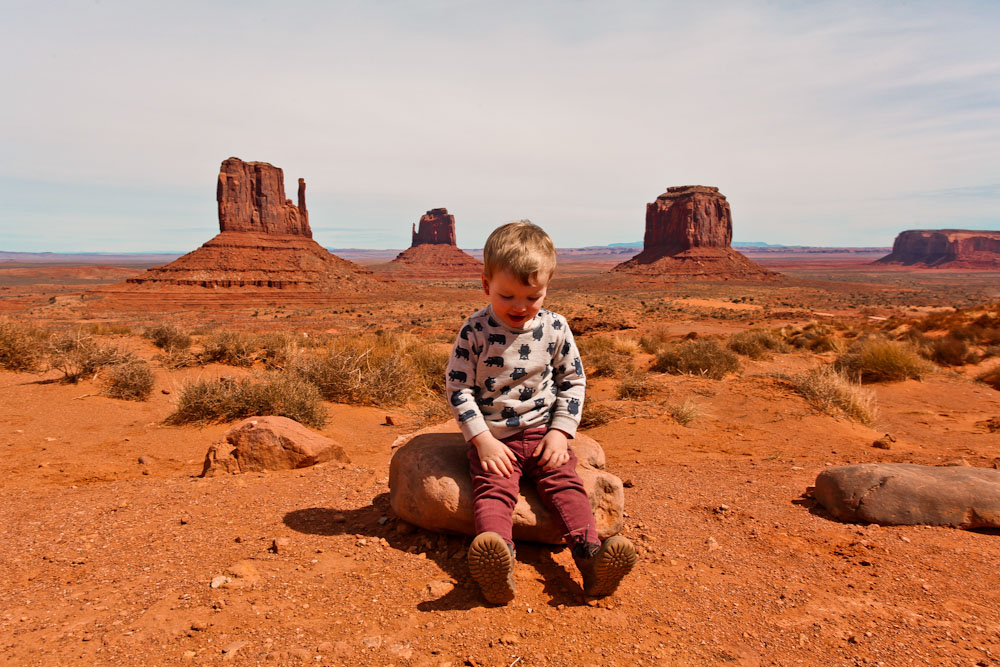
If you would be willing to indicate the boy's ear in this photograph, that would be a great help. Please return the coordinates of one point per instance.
(486, 284)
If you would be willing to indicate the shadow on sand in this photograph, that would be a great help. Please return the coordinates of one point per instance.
(446, 551)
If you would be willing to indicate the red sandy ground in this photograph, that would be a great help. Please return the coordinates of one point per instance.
(109, 561)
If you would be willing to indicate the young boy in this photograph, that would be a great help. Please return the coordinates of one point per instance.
(516, 386)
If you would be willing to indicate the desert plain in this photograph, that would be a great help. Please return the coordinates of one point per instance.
(117, 552)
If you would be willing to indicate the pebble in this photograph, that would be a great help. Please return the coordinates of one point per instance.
(439, 589)
(281, 545)
(145, 460)
(712, 544)
(219, 581)
(231, 650)
(372, 642)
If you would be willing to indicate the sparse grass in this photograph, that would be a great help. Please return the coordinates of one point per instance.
(233, 348)
(433, 410)
(704, 357)
(635, 383)
(684, 413)
(168, 338)
(879, 360)
(22, 346)
(226, 399)
(77, 355)
(601, 356)
(175, 359)
(130, 381)
(277, 348)
(756, 343)
(836, 394)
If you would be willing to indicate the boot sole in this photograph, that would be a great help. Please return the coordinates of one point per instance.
(615, 560)
(492, 567)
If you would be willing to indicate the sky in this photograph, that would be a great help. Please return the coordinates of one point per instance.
(823, 123)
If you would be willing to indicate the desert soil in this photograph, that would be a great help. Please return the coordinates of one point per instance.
(109, 560)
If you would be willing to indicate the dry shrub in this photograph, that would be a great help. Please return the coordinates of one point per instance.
(277, 348)
(813, 336)
(684, 413)
(168, 338)
(233, 348)
(836, 394)
(880, 360)
(77, 355)
(703, 357)
(756, 343)
(227, 399)
(597, 415)
(107, 329)
(174, 359)
(950, 351)
(991, 377)
(432, 410)
(654, 340)
(429, 363)
(635, 383)
(362, 369)
(22, 346)
(601, 357)
(131, 381)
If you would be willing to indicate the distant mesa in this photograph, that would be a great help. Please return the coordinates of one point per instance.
(689, 233)
(264, 244)
(433, 252)
(946, 249)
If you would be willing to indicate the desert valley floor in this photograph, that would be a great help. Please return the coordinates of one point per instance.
(111, 560)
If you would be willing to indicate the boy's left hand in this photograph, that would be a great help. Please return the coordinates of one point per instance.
(553, 450)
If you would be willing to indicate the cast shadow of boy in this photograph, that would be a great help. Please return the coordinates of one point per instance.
(376, 521)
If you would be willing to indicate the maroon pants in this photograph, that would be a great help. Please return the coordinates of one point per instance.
(561, 489)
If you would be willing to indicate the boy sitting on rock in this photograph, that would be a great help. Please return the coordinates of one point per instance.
(516, 386)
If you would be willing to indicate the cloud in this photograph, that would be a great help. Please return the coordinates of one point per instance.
(808, 117)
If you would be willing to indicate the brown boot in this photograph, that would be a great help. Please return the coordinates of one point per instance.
(491, 564)
(605, 567)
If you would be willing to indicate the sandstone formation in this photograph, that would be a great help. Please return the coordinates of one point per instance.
(689, 232)
(264, 247)
(269, 443)
(429, 486)
(946, 249)
(433, 252)
(900, 494)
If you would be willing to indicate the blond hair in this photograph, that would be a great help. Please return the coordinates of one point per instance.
(522, 248)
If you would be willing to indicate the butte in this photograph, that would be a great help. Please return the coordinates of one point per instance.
(689, 233)
(433, 252)
(946, 249)
(264, 250)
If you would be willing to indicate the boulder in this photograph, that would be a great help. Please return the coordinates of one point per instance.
(269, 443)
(899, 494)
(429, 486)
(689, 231)
(946, 248)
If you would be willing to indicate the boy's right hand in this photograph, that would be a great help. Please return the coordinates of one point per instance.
(494, 456)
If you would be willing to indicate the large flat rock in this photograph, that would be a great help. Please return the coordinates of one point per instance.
(429, 486)
(899, 494)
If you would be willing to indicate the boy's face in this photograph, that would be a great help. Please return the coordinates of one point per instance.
(514, 302)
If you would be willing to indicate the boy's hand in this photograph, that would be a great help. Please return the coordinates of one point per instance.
(494, 456)
(553, 450)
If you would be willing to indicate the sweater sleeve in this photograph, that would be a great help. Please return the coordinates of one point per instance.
(570, 383)
(460, 382)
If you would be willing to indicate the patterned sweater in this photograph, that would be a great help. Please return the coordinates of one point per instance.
(507, 380)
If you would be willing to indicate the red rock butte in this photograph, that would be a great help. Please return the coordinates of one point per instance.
(433, 252)
(689, 232)
(264, 246)
(946, 249)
